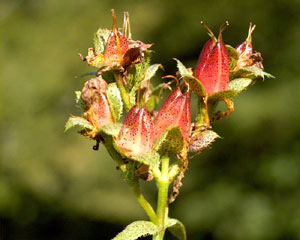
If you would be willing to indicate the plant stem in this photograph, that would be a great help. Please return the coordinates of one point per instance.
(134, 184)
(162, 207)
(144, 203)
(123, 92)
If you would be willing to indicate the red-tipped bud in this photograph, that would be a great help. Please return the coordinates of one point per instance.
(136, 136)
(175, 112)
(213, 64)
(98, 111)
(245, 48)
(116, 46)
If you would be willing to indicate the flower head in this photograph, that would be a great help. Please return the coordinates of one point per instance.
(98, 111)
(212, 69)
(175, 112)
(136, 136)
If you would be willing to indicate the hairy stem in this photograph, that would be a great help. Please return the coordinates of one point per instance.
(123, 92)
(162, 206)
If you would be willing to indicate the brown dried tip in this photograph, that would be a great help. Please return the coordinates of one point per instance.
(251, 29)
(114, 25)
(222, 28)
(210, 33)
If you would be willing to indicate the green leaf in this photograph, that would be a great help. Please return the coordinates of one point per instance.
(78, 121)
(151, 158)
(251, 72)
(112, 129)
(219, 96)
(240, 84)
(79, 102)
(182, 69)
(236, 86)
(195, 85)
(115, 100)
(151, 70)
(155, 96)
(100, 39)
(233, 57)
(176, 228)
(137, 229)
(171, 141)
(202, 140)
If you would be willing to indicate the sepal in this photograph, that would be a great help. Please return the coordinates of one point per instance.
(78, 121)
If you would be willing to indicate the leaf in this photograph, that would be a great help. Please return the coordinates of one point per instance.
(155, 96)
(151, 158)
(79, 102)
(233, 57)
(202, 140)
(182, 69)
(240, 84)
(251, 72)
(151, 70)
(115, 101)
(176, 228)
(112, 129)
(195, 85)
(218, 96)
(78, 121)
(171, 141)
(137, 229)
(100, 39)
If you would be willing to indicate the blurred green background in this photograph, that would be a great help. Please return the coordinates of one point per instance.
(54, 186)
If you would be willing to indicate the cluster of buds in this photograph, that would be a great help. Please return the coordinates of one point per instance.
(122, 81)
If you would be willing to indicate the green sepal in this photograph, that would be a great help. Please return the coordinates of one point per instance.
(100, 39)
(151, 158)
(195, 85)
(233, 57)
(176, 228)
(78, 121)
(202, 140)
(151, 71)
(137, 229)
(171, 141)
(155, 96)
(236, 86)
(135, 75)
(183, 71)
(79, 102)
(115, 101)
(251, 72)
(112, 129)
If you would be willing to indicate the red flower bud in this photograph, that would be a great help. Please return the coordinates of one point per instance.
(136, 136)
(116, 46)
(98, 109)
(175, 112)
(245, 49)
(213, 64)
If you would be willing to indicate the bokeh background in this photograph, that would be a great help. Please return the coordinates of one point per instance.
(54, 186)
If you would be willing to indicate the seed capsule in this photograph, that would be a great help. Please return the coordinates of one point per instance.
(213, 64)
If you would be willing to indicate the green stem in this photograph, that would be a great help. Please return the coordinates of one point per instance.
(134, 185)
(162, 207)
(123, 92)
(144, 203)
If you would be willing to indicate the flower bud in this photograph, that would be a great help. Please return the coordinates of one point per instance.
(175, 112)
(212, 69)
(136, 136)
(98, 111)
